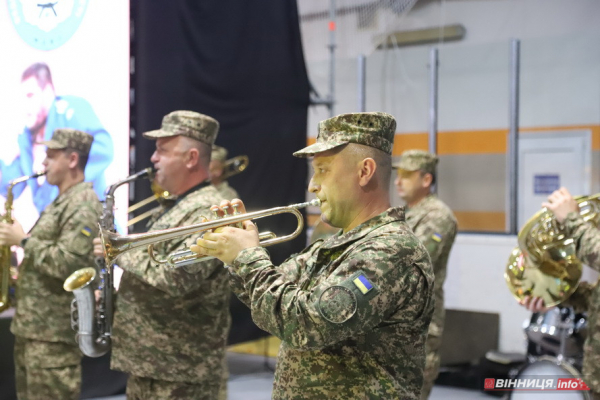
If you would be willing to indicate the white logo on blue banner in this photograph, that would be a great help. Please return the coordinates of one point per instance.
(46, 24)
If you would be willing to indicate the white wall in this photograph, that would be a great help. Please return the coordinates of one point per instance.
(485, 21)
(475, 282)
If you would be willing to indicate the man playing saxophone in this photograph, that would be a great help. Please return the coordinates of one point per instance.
(171, 326)
(47, 358)
(587, 297)
(352, 310)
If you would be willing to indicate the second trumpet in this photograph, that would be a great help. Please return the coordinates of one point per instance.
(115, 244)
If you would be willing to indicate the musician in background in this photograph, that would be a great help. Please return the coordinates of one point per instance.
(587, 297)
(171, 325)
(352, 310)
(47, 358)
(217, 169)
(435, 226)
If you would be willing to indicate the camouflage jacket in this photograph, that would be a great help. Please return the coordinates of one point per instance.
(60, 244)
(172, 325)
(434, 224)
(587, 297)
(226, 192)
(352, 312)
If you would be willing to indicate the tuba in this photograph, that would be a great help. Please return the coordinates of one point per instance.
(94, 325)
(5, 254)
(545, 263)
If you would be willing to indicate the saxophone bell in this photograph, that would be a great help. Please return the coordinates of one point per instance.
(91, 319)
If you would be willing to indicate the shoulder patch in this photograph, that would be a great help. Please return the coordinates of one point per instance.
(437, 237)
(363, 284)
(337, 304)
(86, 231)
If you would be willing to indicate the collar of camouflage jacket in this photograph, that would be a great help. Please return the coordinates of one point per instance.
(78, 187)
(184, 206)
(390, 215)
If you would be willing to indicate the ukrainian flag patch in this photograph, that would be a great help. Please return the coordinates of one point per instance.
(86, 231)
(363, 284)
(437, 237)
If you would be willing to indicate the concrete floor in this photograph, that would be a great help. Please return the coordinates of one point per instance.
(251, 378)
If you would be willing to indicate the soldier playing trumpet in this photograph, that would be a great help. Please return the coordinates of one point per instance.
(352, 310)
(47, 358)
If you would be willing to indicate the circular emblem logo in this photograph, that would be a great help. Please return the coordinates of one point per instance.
(337, 304)
(46, 24)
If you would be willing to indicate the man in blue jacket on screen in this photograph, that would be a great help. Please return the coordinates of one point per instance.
(45, 112)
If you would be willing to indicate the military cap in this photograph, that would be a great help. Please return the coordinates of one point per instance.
(417, 160)
(64, 138)
(187, 123)
(374, 129)
(218, 153)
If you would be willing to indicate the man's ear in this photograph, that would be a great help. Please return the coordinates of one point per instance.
(73, 159)
(427, 179)
(367, 169)
(192, 158)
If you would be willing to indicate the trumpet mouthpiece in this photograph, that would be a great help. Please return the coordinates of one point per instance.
(315, 202)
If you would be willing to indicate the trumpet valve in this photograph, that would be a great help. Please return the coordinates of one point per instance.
(237, 212)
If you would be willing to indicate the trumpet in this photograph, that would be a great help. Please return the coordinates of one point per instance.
(234, 166)
(115, 244)
(160, 195)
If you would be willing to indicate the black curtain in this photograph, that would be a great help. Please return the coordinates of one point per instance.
(240, 62)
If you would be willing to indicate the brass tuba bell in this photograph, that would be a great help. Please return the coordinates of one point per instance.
(545, 264)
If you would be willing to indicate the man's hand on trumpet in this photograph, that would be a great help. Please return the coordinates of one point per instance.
(227, 242)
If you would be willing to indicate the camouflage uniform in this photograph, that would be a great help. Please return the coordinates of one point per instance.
(435, 226)
(227, 192)
(171, 326)
(352, 310)
(587, 297)
(47, 358)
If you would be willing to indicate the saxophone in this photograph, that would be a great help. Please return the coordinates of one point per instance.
(94, 324)
(5, 254)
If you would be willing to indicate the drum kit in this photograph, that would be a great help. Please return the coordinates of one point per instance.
(555, 349)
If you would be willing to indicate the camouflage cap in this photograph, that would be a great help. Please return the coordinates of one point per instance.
(417, 160)
(187, 123)
(64, 138)
(374, 129)
(218, 153)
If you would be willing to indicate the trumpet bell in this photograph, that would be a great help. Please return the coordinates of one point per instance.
(80, 279)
